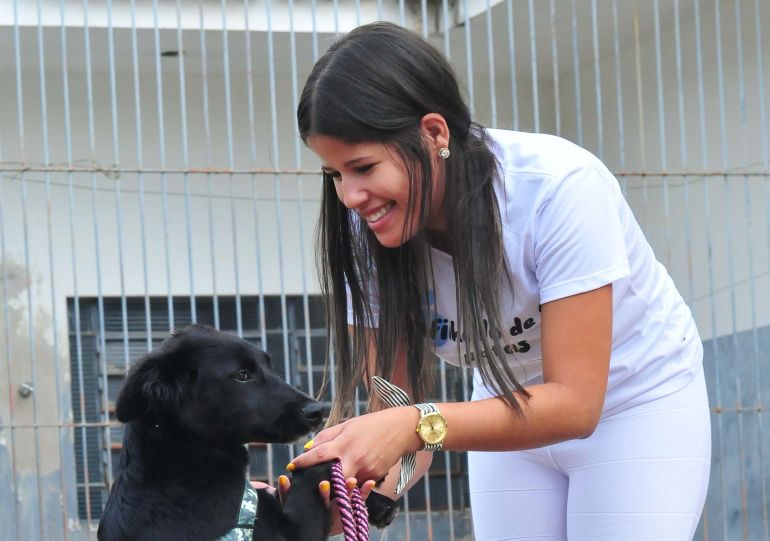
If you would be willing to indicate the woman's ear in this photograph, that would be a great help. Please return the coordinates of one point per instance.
(434, 129)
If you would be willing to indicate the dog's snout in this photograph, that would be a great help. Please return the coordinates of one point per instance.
(313, 412)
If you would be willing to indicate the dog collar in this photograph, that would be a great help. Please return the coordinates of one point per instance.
(244, 529)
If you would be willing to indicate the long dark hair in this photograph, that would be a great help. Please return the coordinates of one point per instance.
(375, 85)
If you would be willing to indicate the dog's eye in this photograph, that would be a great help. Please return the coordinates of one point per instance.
(243, 375)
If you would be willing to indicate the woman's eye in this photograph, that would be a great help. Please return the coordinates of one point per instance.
(332, 175)
(364, 168)
(243, 375)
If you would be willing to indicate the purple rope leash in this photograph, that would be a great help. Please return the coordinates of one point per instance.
(353, 512)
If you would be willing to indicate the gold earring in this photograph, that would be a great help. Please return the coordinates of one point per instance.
(443, 153)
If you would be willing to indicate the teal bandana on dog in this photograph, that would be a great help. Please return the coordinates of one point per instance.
(244, 530)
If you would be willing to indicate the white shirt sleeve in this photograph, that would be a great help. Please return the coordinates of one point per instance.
(579, 236)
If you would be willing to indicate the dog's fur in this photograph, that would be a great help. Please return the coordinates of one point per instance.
(189, 407)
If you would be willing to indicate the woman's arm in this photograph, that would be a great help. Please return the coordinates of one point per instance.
(576, 340)
(401, 379)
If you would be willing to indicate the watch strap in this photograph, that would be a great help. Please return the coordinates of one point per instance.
(394, 396)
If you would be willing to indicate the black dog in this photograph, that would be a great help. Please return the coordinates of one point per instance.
(189, 408)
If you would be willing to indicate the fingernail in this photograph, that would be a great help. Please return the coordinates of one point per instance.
(351, 484)
(290, 466)
(283, 481)
(325, 487)
(309, 445)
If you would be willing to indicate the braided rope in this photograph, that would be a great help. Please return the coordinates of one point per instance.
(353, 512)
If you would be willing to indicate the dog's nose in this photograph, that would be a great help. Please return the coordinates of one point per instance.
(313, 412)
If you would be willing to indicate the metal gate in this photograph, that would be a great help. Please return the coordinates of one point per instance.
(151, 175)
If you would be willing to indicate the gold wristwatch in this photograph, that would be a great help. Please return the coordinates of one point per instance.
(431, 427)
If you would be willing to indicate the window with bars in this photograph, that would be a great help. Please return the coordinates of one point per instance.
(107, 336)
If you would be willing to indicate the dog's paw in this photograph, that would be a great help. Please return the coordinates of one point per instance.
(382, 510)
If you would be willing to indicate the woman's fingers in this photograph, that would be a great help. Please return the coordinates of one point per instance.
(324, 487)
(367, 488)
(317, 453)
(258, 485)
(283, 488)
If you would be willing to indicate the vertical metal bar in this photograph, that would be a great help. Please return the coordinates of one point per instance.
(683, 149)
(75, 290)
(162, 151)
(576, 70)
(555, 67)
(738, 382)
(730, 265)
(659, 80)
(30, 311)
(533, 59)
(118, 209)
(102, 353)
(185, 160)
(277, 185)
(491, 57)
(253, 153)
(469, 57)
(9, 362)
(639, 95)
(424, 18)
(763, 466)
(56, 361)
(761, 89)
(721, 83)
(512, 59)
(699, 72)
(300, 203)
(710, 266)
(140, 165)
(442, 367)
(597, 82)
(618, 84)
(401, 12)
(680, 87)
(314, 22)
(750, 251)
(662, 130)
(207, 132)
(231, 165)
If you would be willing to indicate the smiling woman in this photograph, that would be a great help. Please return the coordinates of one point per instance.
(514, 254)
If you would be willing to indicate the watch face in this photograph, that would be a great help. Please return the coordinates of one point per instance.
(432, 428)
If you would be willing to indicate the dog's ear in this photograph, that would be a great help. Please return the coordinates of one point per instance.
(154, 385)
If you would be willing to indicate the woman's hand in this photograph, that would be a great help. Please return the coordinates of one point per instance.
(367, 446)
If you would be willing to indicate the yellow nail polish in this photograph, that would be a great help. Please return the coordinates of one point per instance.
(283, 481)
(290, 466)
(351, 483)
(325, 486)
(309, 445)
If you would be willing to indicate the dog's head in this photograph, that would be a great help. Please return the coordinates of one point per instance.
(218, 387)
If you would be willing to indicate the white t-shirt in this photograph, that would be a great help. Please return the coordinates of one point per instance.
(566, 230)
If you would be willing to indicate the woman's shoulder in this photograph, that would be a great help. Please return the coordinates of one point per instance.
(525, 153)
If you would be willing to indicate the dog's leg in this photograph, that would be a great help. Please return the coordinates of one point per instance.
(271, 522)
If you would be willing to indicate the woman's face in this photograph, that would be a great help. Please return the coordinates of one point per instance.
(372, 180)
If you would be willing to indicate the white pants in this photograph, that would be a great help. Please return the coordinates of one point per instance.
(642, 475)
